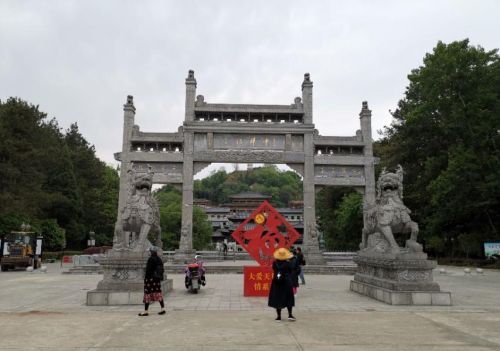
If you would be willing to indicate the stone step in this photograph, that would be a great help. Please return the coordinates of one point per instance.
(209, 256)
(94, 269)
(325, 269)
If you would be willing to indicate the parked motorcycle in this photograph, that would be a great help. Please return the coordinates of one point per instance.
(194, 277)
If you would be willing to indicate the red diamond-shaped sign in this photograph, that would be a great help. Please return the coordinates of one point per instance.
(264, 231)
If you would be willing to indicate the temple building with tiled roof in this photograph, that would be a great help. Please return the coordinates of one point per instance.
(226, 218)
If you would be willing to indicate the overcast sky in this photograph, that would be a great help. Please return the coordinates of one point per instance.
(78, 60)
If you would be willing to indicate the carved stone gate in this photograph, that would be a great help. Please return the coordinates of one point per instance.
(237, 133)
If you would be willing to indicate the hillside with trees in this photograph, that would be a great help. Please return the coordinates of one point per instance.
(282, 186)
(339, 209)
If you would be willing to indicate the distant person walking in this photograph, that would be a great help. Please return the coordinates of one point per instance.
(281, 293)
(152, 282)
(302, 262)
(294, 262)
(224, 249)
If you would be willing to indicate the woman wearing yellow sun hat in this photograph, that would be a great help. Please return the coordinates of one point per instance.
(281, 293)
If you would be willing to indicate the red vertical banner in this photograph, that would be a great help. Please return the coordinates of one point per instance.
(257, 280)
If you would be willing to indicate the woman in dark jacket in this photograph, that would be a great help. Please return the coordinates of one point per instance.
(152, 282)
(281, 293)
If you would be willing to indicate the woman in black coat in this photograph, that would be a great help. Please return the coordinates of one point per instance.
(281, 293)
(152, 282)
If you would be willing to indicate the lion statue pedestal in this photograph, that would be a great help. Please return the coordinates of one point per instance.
(123, 280)
(387, 272)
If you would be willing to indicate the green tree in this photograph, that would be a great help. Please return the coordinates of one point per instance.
(169, 201)
(11, 221)
(63, 200)
(48, 175)
(340, 217)
(202, 229)
(107, 206)
(53, 235)
(98, 186)
(36, 175)
(470, 244)
(211, 187)
(349, 222)
(436, 245)
(170, 204)
(445, 134)
(21, 155)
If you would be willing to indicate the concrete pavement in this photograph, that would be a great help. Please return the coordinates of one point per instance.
(47, 312)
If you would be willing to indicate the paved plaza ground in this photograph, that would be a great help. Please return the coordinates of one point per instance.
(48, 312)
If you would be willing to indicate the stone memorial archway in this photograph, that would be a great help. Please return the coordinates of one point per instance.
(243, 133)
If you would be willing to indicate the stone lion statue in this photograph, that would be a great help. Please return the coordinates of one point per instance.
(140, 218)
(387, 216)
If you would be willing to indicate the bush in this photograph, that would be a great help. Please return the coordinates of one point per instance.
(53, 236)
(470, 244)
(436, 245)
(470, 262)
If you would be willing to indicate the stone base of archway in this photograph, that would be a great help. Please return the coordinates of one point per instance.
(313, 255)
(184, 256)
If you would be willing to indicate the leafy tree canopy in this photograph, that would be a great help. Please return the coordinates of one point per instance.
(170, 203)
(52, 179)
(340, 218)
(445, 133)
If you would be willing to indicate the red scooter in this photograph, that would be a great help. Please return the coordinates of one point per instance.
(195, 277)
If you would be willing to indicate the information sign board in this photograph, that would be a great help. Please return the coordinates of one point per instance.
(257, 280)
(491, 249)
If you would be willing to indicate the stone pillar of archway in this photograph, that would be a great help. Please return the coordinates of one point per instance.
(125, 165)
(365, 117)
(310, 236)
(185, 251)
(186, 241)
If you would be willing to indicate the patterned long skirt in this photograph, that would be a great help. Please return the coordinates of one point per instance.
(152, 290)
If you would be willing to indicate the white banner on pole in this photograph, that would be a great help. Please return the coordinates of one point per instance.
(38, 247)
(6, 249)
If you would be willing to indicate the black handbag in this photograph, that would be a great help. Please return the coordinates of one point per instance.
(158, 272)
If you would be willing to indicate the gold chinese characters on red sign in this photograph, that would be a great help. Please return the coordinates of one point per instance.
(257, 280)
